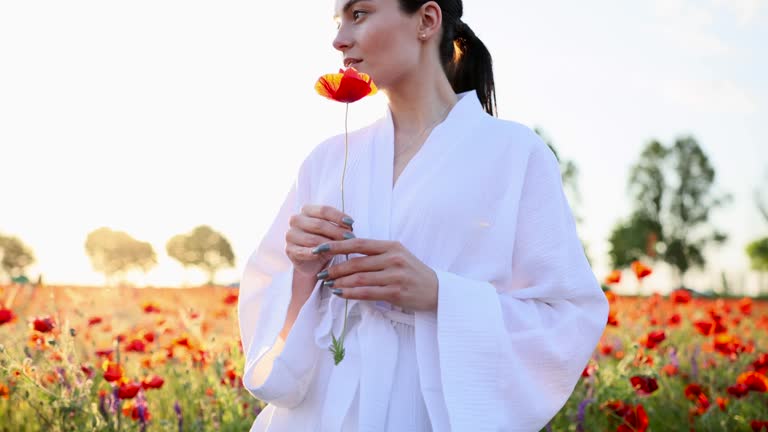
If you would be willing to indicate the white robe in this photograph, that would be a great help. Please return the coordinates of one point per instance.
(519, 309)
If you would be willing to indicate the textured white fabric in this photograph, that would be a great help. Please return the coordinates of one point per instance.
(519, 310)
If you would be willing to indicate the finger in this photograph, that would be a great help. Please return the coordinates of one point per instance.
(357, 245)
(305, 239)
(328, 213)
(300, 253)
(371, 293)
(361, 264)
(320, 227)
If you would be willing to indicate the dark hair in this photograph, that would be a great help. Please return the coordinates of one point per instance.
(466, 61)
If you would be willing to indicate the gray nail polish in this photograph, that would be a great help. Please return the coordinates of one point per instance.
(348, 220)
(348, 235)
(325, 247)
(328, 283)
(323, 274)
(336, 291)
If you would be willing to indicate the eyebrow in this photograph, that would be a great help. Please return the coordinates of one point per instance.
(346, 7)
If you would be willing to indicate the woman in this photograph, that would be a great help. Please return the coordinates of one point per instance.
(471, 304)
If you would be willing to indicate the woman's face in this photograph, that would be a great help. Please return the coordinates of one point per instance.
(378, 34)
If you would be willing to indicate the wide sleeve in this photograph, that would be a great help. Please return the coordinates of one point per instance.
(276, 371)
(512, 352)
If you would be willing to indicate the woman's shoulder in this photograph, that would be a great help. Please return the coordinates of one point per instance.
(512, 137)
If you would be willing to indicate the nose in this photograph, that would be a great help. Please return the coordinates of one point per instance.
(342, 41)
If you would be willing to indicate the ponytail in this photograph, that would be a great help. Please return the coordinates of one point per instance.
(466, 61)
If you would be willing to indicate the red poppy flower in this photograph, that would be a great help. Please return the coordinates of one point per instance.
(6, 316)
(640, 269)
(761, 364)
(128, 390)
(754, 380)
(703, 327)
(613, 277)
(652, 339)
(635, 420)
(43, 324)
(680, 296)
(5, 392)
(136, 345)
(231, 298)
(150, 307)
(346, 86)
(738, 391)
(722, 403)
(112, 371)
(758, 425)
(745, 306)
(155, 382)
(644, 385)
(692, 391)
(94, 320)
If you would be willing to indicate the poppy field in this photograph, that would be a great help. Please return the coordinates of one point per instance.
(109, 359)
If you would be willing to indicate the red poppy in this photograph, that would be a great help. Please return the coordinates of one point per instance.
(722, 403)
(692, 391)
(680, 296)
(703, 327)
(136, 345)
(644, 385)
(94, 320)
(640, 269)
(43, 324)
(346, 86)
(745, 306)
(231, 298)
(155, 382)
(613, 277)
(112, 371)
(635, 420)
(674, 320)
(128, 390)
(758, 425)
(87, 370)
(761, 364)
(652, 339)
(6, 316)
(754, 380)
(5, 392)
(150, 307)
(738, 391)
(670, 370)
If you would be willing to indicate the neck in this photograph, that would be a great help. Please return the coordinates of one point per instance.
(418, 100)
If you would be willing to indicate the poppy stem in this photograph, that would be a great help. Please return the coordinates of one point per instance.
(338, 351)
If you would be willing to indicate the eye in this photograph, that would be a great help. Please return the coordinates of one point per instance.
(354, 14)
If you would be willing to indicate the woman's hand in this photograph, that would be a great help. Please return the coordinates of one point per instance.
(388, 272)
(315, 224)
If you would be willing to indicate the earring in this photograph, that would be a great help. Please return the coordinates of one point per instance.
(423, 36)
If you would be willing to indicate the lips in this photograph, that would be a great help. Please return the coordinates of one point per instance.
(351, 61)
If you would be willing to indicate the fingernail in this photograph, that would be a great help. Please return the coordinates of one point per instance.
(325, 247)
(348, 235)
(336, 291)
(348, 220)
(323, 274)
(328, 283)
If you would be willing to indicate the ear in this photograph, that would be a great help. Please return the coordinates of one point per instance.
(430, 20)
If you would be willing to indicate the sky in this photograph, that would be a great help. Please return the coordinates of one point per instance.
(155, 117)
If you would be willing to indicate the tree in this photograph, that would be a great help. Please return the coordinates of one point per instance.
(203, 248)
(115, 253)
(758, 258)
(16, 256)
(672, 192)
(758, 249)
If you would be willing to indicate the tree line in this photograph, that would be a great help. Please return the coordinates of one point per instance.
(672, 188)
(116, 253)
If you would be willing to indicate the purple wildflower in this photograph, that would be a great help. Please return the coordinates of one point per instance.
(673, 358)
(694, 363)
(177, 408)
(581, 414)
